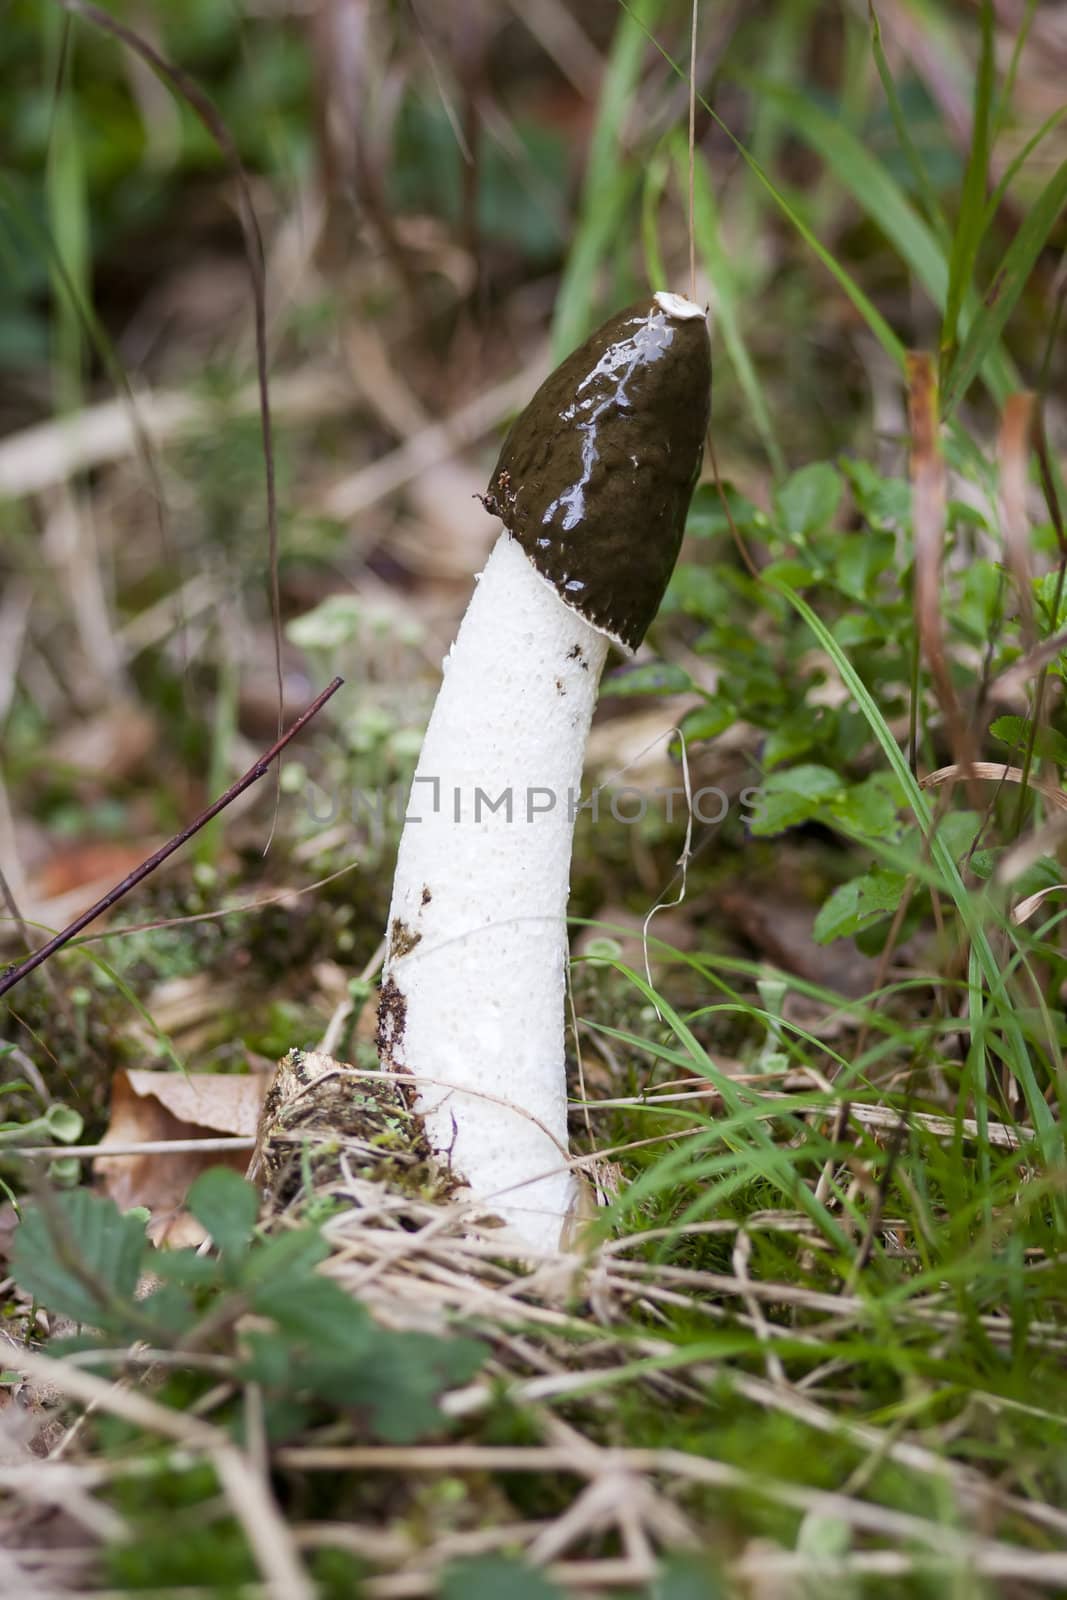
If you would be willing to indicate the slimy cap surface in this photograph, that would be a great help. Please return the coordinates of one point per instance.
(595, 477)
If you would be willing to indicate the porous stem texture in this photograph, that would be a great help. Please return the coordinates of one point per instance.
(474, 985)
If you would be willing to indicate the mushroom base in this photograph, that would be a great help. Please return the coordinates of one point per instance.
(473, 993)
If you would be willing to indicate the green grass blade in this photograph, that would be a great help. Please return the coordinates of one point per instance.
(870, 185)
(738, 1104)
(969, 225)
(607, 186)
(706, 228)
(1008, 284)
(884, 201)
(978, 1068)
(1051, 1135)
(924, 188)
(866, 308)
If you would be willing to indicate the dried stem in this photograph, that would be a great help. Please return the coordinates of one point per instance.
(132, 879)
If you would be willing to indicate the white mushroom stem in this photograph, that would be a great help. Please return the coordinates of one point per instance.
(475, 979)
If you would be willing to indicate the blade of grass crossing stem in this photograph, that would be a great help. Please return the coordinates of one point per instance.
(1008, 284)
(883, 200)
(867, 310)
(608, 183)
(706, 226)
(1045, 1126)
(968, 234)
(917, 166)
(737, 1103)
(656, 174)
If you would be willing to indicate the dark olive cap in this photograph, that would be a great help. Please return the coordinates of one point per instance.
(595, 477)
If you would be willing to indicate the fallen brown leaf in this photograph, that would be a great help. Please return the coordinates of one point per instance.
(154, 1106)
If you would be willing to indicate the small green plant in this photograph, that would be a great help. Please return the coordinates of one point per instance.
(311, 1346)
(56, 1123)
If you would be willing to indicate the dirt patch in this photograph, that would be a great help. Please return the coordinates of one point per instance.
(401, 939)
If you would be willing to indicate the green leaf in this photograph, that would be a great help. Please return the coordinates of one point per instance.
(709, 720)
(227, 1207)
(399, 1382)
(186, 1267)
(957, 831)
(707, 515)
(170, 1307)
(809, 499)
(862, 558)
(294, 1252)
(334, 622)
(858, 904)
(1015, 731)
(858, 627)
(797, 574)
(492, 1577)
(788, 798)
(335, 1353)
(652, 677)
(792, 737)
(883, 501)
(81, 1258)
(870, 808)
(309, 1307)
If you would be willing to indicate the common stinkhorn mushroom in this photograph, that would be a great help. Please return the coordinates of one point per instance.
(593, 485)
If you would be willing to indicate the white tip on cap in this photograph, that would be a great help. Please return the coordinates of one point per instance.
(677, 305)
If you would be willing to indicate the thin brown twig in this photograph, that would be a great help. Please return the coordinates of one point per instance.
(132, 879)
